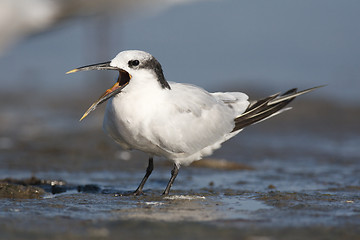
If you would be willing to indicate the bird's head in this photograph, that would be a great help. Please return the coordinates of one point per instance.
(132, 65)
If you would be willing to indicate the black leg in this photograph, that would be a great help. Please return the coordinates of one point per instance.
(174, 173)
(149, 169)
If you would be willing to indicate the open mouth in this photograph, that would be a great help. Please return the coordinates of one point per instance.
(123, 81)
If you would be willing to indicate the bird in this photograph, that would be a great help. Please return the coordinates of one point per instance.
(180, 122)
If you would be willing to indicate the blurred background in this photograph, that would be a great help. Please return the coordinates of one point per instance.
(262, 46)
(299, 169)
(265, 45)
(259, 47)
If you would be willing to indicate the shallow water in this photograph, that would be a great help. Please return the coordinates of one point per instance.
(298, 178)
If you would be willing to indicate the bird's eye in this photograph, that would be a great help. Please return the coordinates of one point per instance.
(133, 63)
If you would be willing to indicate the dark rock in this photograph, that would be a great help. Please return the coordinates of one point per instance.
(10, 190)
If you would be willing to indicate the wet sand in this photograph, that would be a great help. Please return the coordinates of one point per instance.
(293, 177)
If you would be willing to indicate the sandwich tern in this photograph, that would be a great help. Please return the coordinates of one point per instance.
(180, 122)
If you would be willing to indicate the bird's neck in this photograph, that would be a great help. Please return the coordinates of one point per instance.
(144, 85)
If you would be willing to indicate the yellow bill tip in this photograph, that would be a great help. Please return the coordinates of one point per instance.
(91, 108)
(84, 116)
(72, 71)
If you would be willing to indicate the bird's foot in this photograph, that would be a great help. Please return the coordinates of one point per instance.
(129, 193)
(137, 193)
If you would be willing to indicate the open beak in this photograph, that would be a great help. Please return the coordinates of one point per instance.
(123, 80)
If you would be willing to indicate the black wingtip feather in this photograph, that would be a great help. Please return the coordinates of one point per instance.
(263, 108)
